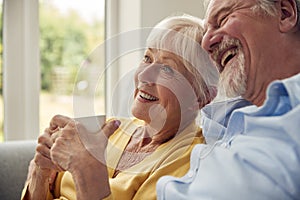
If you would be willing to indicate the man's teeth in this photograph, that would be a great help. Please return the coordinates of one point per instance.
(148, 96)
(227, 56)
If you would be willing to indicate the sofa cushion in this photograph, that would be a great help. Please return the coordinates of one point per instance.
(14, 160)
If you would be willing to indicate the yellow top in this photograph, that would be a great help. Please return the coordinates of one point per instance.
(139, 181)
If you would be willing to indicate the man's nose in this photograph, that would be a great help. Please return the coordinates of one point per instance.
(211, 39)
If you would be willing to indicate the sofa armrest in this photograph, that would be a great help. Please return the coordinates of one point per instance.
(14, 161)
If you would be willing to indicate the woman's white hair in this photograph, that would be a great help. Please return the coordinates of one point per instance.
(182, 36)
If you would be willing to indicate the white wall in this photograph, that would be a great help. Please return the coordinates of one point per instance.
(155, 10)
(125, 22)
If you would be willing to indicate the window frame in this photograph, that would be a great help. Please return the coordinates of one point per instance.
(21, 72)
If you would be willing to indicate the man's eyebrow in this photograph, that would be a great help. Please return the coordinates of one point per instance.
(212, 18)
(215, 14)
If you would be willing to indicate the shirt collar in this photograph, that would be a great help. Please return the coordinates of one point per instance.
(215, 117)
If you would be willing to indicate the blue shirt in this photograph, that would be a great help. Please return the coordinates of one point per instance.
(258, 156)
(215, 117)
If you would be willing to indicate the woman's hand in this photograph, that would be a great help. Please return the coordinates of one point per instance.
(42, 171)
(82, 154)
(42, 158)
(68, 152)
(73, 144)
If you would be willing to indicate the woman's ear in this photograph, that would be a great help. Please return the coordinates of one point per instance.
(288, 15)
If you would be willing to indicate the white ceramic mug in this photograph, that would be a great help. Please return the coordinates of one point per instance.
(92, 123)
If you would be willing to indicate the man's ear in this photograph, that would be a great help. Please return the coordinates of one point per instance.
(288, 15)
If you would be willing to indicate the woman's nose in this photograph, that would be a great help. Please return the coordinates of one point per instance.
(148, 74)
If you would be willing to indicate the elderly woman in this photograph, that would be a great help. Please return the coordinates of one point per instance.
(169, 92)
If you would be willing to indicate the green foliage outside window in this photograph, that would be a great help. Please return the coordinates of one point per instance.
(65, 41)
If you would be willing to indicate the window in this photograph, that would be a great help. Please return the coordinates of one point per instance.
(70, 32)
(25, 42)
(1, 99)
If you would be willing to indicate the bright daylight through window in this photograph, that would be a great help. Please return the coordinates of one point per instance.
(69, 33)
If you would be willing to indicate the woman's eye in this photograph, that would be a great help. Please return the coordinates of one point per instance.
(167, 69)
(146, 59)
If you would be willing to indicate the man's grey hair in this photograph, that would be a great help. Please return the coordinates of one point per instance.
(268, 6)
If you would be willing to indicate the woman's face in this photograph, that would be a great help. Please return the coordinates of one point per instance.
(164, 97)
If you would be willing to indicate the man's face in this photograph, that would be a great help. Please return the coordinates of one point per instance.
(238, 40)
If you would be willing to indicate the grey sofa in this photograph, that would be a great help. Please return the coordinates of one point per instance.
(14, 160)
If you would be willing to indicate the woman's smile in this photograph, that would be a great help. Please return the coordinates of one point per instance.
(146, 97)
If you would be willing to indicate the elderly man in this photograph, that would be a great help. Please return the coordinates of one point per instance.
(256, 46)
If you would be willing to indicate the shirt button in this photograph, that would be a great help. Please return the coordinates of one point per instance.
(190, 174)
(224, 145)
